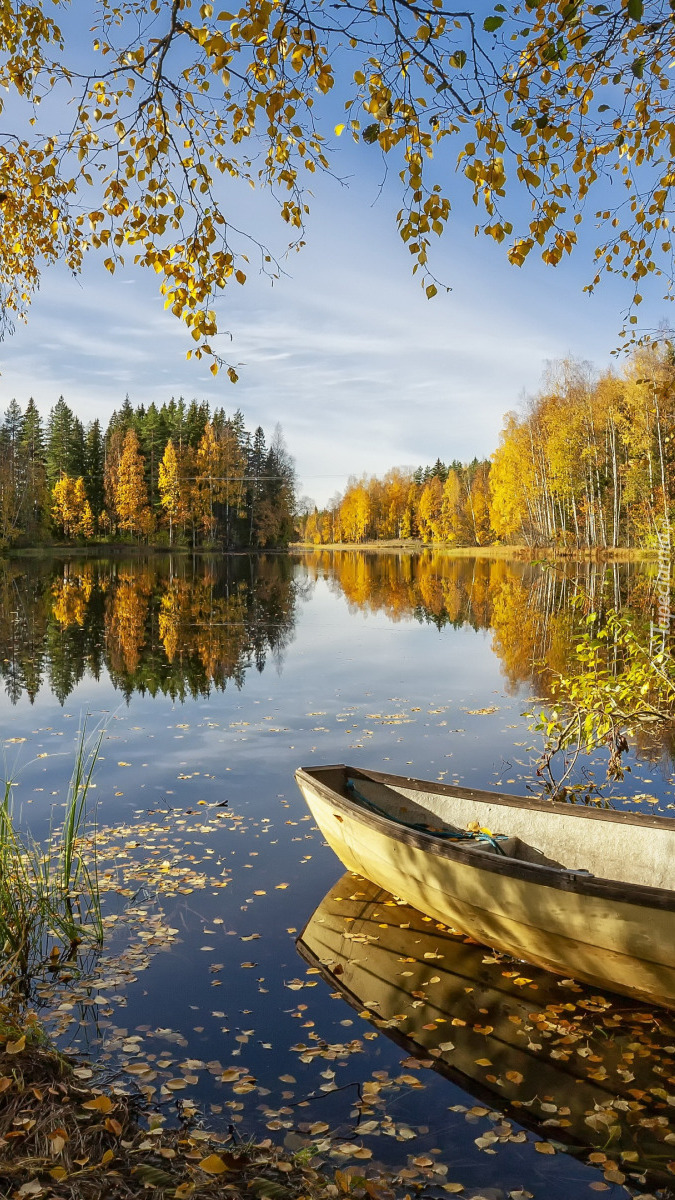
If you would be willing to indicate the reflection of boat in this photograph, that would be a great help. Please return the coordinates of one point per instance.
(569, 1064)
(583, 892)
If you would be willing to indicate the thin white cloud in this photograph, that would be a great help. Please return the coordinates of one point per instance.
(362, 371)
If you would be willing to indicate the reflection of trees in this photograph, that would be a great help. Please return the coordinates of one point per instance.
(180, 626)
(527, 608)
(183, 626)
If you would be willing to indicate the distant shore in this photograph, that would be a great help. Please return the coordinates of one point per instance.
(527, 553)
(386, 546)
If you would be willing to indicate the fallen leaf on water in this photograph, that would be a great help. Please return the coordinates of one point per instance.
(213, 1165)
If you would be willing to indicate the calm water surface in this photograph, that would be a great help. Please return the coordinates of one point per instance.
(215, 679)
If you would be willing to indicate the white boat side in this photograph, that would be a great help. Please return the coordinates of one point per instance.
(617, 932)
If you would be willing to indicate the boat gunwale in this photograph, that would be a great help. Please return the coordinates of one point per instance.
(560, 878)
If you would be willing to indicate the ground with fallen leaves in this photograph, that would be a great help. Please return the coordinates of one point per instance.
(63, 1139)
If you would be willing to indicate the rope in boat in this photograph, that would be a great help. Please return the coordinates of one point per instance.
(445, 834)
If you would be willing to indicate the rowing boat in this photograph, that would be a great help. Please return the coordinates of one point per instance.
(551, 1053)
(584, 892)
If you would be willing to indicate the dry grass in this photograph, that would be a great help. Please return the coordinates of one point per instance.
(63, 1138)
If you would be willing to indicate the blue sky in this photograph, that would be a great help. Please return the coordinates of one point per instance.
(344, 350)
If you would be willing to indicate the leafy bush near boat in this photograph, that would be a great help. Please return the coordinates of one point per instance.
(621, 685)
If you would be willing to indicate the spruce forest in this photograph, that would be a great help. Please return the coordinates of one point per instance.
(589, 463)
(175, 475)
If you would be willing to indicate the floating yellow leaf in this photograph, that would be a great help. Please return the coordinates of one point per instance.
(213, 1165)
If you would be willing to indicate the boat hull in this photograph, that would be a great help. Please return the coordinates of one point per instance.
(621, 944)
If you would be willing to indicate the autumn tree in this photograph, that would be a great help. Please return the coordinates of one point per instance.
(131, 496)
(429, 510)
(209, 480)
(540, 105)
(171, 488)
(71, 511)
(355, 511)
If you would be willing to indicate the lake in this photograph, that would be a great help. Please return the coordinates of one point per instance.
(212, 680)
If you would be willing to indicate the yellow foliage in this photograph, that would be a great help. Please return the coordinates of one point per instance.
(131, 494)
(71, 511)
(215, 96)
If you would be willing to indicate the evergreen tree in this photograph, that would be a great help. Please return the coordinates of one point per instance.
(257, 457)
(59, 442)
(33, 454)
(273, 523)
(152, 437)
(12, 481)
(32, 434)
(76, 454)
(197, 418)
(94, 461)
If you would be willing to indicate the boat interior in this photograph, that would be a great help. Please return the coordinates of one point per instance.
(630, 851)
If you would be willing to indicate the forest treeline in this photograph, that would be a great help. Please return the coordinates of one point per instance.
(590, 463)
(179, 474)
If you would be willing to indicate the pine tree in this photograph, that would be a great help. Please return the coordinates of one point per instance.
(255, 469)
(33, 454)
(94, 456)
(152, 436)
(12, 482)
(59, 441)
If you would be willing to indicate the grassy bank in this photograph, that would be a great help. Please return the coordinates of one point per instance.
(64, 1135)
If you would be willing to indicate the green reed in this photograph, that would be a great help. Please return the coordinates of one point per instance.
(49, 891)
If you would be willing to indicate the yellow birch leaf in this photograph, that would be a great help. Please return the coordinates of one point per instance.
(213, 1165)
(101, 1104)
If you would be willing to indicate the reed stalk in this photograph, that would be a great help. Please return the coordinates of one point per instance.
(49, 891)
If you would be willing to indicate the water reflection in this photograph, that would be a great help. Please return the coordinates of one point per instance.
(183, 625)
(591, 1072)
(525, 604)
(179, 626)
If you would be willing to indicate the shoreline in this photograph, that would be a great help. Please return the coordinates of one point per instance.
(392, 546)
(524, 553)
